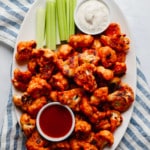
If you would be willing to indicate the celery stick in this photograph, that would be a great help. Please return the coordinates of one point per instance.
(40, 27)
(62, 21)
(72, 24)
(51, 24)
(57, 31)
(68, 16)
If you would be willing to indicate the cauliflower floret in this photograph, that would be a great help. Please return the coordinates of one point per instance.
(27, 124)
(38, 87)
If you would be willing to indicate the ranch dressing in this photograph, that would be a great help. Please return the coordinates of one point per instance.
(92, 16)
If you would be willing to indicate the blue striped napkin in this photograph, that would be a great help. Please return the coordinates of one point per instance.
(12, 13)
(137, 136)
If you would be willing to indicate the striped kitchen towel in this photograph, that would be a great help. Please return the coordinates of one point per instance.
(12, 13)
(137, 136)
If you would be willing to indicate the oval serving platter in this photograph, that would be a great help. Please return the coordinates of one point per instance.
(27, 32)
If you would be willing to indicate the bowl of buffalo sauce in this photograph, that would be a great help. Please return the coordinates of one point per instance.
(55, 122)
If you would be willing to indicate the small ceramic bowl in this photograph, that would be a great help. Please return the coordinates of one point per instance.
(55, 122)
(92, 16)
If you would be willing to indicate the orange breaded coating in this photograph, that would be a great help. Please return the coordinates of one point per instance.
(22, 101)
(113, 29)
(122, 98)
(70, 97)
(119, 68)
(121, 56)
(118, 42)
(81, 40)
(46, 53)
(115, 39)
(99, 95)
(96, 44)
(38, 87)
(62, 145)
(64, 51)
(59, 82)
(36, 105)
(77, 144)
(109, 123)
(68, 66)
(92, 112)
(36, 142)
(115, 120)
(84, 77)
(82, 128)
(106, 74)
(22, 76)
(107, 55)
(42, 63)
(21, 79)
(28, 104)
(96, 141)
(104, 138)
(28, 124)
(24, 50)
(89, 56)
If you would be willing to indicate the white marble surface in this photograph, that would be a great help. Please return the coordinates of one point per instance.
(137, 14)
(5, 65)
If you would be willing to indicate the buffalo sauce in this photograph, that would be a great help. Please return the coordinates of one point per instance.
(55, 121)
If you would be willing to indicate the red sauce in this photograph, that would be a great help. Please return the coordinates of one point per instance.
(55, 121)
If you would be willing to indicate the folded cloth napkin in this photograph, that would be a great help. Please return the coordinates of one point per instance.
(137, 135)
(12, 13)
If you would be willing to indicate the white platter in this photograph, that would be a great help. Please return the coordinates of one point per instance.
(27, 32)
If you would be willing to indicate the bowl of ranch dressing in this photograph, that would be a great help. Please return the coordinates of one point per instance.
(92, 16)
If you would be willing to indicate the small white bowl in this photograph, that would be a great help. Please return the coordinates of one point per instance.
(52, 128)
(92, 16)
